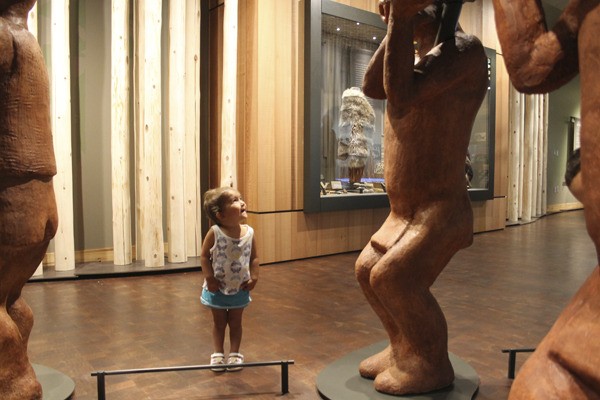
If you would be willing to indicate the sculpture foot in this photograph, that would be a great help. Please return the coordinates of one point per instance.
(23, 387)
(398, 382)
(371, 367)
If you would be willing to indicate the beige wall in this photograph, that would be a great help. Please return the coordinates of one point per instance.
(271, 132)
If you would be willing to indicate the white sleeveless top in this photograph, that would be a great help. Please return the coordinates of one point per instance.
(231, 259)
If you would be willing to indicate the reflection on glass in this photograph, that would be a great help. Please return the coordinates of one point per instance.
(351, 123)
(479, 148)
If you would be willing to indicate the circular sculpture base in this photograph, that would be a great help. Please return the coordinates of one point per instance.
(341, 380)
(55, 384)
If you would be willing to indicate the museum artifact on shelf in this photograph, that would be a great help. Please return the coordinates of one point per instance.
(356, 127)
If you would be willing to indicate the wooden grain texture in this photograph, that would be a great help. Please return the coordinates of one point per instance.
(64, 240)
(506, 290)
(215, 60)
(501, 150)
(515, 153)
(120, 133)
(150, 136)
(294, 235)
(191, 165)
(176, 123)
(528, 159)
(247, 102)
(276, 97)
(229, 160)
(489, 215)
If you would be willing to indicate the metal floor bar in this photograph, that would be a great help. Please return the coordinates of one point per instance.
(101, 375)
(512, 359)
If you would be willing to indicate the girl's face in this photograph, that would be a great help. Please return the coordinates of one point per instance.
(234, 212)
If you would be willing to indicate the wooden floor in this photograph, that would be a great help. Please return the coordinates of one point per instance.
(504, 291)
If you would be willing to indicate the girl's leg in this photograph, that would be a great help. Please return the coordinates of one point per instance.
(234, 319)
(219, 326)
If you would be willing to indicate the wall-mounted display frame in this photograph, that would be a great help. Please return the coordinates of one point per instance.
(343, 166)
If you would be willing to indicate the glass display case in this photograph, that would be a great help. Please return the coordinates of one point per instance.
(344, 149)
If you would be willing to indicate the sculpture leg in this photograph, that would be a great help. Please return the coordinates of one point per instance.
(17, 378)
(420, 360)
(374, 365)
(27, 223)
(565, 364)
(400, 280)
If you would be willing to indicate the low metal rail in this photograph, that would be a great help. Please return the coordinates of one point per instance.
(512, 359)
(101, 375)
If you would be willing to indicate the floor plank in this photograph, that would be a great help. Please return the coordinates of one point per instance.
(506, 290)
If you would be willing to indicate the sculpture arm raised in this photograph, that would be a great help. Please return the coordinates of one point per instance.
(539, 60)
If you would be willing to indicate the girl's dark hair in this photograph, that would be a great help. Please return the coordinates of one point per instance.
(215, 200)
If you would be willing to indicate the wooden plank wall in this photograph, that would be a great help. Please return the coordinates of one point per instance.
(64, 240)
(270, 133)
(120, 133)
(32, 26)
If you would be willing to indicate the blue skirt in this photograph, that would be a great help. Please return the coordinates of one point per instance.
(225, 301)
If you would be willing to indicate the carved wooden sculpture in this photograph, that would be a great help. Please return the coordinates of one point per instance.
(431, 106)
(28, 218)
(566, 364)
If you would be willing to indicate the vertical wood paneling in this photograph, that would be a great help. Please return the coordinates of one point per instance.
(514, 155)
(216, 93)
(545, 157)
(267, 76)
(193, 201)
(228, 110)
(247, 115)
(489, 35)
(528, 159)
(278, 99)
(534, 154)
(471, 19)
(284, 95)
(150, 134)
(501, 150)
(64, 240)
(120, 133)
(333, 233)
(32, 26)
(138, 123)
(489, 215)
(539, 156)
(298, 121)
(176, 134)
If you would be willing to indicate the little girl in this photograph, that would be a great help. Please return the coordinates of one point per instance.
(230, 267)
